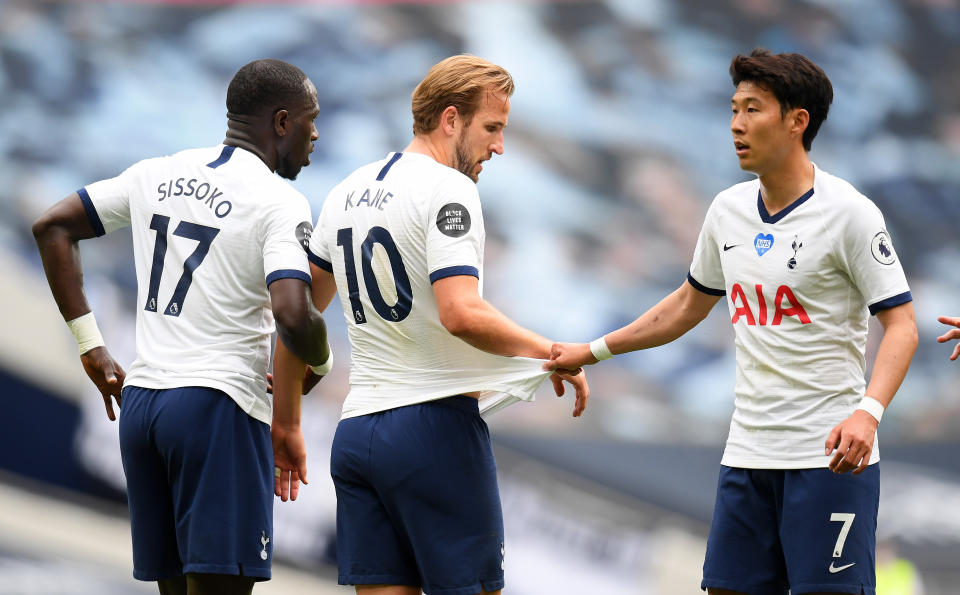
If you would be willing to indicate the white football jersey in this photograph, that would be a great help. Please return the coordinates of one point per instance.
(387, 233)
(212, 228)
(800, 286)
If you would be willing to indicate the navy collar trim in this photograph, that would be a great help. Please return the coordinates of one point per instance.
(768, 218)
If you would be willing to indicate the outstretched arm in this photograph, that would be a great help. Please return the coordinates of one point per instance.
(57, 232)
(673, 316)
(853, 438)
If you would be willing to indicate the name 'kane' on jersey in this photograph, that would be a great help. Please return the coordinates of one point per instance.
(212, 228)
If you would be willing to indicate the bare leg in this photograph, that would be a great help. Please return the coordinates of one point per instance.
(173, 586)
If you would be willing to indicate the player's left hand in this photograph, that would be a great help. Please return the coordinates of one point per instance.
(310, 380)
(579, 382)
(953, 333)
(289, 460)
(853, 441)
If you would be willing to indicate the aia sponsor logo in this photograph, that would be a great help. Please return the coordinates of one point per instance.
(784, 304)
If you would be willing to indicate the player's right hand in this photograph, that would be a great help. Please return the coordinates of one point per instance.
(569, 356)
(289, 460)
(106, 374)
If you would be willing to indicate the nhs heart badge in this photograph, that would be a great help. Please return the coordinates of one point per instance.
(763, 243)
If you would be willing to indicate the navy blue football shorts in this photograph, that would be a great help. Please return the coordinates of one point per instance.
(806, 530)
(417, 499)
(199, 484)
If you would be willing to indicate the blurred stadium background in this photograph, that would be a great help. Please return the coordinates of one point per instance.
(618, 140)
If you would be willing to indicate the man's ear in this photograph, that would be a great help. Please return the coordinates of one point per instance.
(280, 122)
(799, 120)
(450, 120)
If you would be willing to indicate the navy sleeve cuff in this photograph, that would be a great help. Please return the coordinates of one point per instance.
(703, 288)
(891, 302)
(288, 274)
(453, 272)
(91, 212)
(323, 264)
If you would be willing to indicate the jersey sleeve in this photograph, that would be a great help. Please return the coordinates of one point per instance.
(706, 270)
(107, 202)
(318, 252)
(455, 233)
(868, 257)
(287, 234)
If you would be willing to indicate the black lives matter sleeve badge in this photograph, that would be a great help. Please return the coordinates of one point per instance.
(453, 220)
(303, 232)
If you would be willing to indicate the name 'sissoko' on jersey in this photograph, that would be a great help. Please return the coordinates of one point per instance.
(201, 192)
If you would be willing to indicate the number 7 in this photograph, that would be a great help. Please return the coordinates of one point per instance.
(847, 519)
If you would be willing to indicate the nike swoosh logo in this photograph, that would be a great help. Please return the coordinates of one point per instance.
(834, 570)
(725, 247)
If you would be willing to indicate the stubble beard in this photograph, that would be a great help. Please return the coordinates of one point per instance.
(465, 165)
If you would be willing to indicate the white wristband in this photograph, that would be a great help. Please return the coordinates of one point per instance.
(600, 350)
(324, 368)
(86, 332)
(872, 406)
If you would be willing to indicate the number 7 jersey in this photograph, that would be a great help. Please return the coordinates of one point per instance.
(389, 231)
(212, 228)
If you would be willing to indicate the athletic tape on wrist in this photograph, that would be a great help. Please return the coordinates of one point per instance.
(86, 332)
(872, 406)
(324, 368)
(600, 350)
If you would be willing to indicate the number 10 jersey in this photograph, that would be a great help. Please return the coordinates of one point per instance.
(389, 231)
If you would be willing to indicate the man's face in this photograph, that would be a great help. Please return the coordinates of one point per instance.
(297, 145)
(761, 135)
(483, 137)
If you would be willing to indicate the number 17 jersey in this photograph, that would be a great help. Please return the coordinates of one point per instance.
(387, 232)
(212, 228)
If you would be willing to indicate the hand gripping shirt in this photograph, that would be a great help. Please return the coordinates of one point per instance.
(388, 232)
(212, 228)
(800, 286)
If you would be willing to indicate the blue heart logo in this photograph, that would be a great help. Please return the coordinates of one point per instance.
(763, 243)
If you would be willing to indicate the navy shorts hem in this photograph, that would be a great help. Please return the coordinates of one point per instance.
(257, 572)
(378, 579)
(155, 575)
(477, 587)
(832, 588)
(709, 583)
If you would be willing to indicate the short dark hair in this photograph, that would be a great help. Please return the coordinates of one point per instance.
(265, 85)
(793, 79)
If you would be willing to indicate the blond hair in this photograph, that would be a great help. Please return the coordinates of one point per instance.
(459, 81)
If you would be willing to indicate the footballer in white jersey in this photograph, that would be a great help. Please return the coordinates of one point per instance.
(219, 245)
(800, 286)
(803, 260)
(212, 228)
(401, 241)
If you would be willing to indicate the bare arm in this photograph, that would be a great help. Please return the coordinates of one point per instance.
(299, 324)
(291, 378)
(673, 316)
(853, 438)
(471, 318)
(57, 233)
